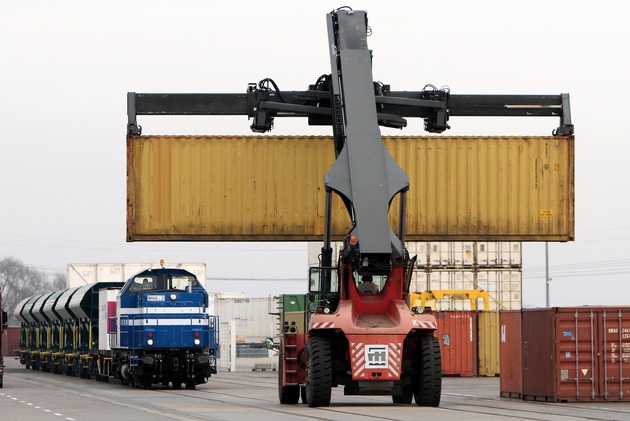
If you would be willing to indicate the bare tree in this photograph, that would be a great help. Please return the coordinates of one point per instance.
(17, 282)
(59, 281)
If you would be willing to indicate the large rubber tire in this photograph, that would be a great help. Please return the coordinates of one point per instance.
(318, 372)
(406, 397)
(428, 386)
(288, 395)
(303, 394)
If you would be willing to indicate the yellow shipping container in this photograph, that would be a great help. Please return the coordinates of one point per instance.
(488, 343)
(261, 188)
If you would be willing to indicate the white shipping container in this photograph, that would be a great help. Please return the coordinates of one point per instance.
(465, 254)
(450, 279)
(80, 274)
(251, 317)
(214, 296)
(439, 253)
(421, 250)
(447, 254)
(499, 254)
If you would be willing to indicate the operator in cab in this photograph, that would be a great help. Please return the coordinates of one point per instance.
(367, 285)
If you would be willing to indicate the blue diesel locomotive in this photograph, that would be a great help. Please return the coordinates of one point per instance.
(155, 330)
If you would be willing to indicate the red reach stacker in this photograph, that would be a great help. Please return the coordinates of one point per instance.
(360, 332)
(356, 330)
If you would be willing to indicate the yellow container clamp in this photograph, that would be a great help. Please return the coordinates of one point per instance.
(455, 294)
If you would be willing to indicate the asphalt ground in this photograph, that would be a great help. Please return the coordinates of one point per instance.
(252, 395)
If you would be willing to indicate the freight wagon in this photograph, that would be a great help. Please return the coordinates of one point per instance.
(153, 330)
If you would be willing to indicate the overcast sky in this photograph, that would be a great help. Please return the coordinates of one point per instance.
(68, 65)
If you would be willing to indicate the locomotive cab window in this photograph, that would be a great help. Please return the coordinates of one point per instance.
(143, 283)
(146, 282)
(181, 283)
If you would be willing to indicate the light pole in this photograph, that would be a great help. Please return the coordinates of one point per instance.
(547, 278)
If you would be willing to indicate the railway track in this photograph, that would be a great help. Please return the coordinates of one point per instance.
(243, 395)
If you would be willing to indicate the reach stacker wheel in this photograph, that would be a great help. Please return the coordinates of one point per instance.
(428, 385)
(318, 372)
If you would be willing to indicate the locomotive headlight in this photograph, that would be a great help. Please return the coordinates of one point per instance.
(197, 341)
(173, 296)
(150, 342)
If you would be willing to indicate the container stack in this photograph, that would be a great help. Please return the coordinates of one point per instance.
(495, 267)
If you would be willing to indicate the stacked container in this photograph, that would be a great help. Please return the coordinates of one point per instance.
(495, 267)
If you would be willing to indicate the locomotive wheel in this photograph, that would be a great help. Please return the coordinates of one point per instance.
(288, 395)
(428, 387)
(318, 372)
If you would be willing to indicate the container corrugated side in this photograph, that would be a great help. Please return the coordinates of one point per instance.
(251, 317)
(576, 354)
(511, 353)
(457, 334)
(10, 341)
(473, 188)
(208, 188)
(538, 354)
(614, 345)
(488, 343)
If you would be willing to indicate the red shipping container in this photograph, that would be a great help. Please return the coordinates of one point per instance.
(10, 341)
(511, 354)
(457, 334)
(573, 354)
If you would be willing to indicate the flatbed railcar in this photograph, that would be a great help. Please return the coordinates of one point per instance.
(155, 329)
